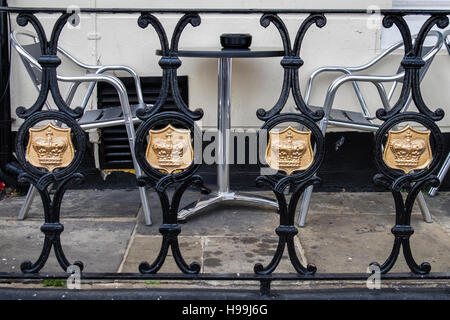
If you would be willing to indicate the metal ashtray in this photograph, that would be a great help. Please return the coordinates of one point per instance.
(236, 40)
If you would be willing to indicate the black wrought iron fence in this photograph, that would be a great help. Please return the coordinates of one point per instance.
(406, 176)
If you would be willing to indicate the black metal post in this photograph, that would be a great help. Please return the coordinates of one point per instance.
(5, 105)
(264, 288)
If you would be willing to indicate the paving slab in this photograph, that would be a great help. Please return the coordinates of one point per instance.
(215, 254)
(81, 203)
(99, 245)
(226, 219)
(349, 243)
(368, 203)
(146, 248)
(240, 216)
(344, 233)
(440, 209)
(240, 254)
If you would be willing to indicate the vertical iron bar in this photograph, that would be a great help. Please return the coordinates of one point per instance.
(5, 105)
(264, 288)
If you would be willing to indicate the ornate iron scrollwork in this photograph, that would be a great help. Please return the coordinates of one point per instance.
(300, 181)
(291, 62)
(42, 178)
(299, 176)
(160, 174)
(406, 164)
(169, 62)
(49, 62)
(406, 158)
(55, 160)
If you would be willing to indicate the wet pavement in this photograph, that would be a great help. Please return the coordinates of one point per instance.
(105, 229)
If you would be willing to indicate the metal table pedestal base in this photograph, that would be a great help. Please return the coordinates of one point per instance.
(215, 198)
(223, 174)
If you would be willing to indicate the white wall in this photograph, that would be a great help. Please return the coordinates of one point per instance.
(345, 40)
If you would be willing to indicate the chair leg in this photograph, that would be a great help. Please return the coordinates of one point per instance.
(142, 192)
(145, 206)
(304, 206)
(27, 203)
(441, 175)
(424, 208)
(308, 192)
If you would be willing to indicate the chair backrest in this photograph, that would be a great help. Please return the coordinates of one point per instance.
(35, 51)
(423, 70)
(428, 53)
(29, 54)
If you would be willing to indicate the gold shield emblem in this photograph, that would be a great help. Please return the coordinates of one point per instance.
(50, 147)
(408, 149)
(170, 149)
(289, 150)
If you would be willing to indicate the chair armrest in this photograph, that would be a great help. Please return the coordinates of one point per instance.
(377, 58)
(103, 69)
(375, 80)
(345, 71)
(316, 73)
(98, 70)
(135, 76)
(369, 64)
(78, 62)
(349, 70)
(115, 82)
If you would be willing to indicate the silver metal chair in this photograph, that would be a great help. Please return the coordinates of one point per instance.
(446, 166)
(91, 119)
(364, 120)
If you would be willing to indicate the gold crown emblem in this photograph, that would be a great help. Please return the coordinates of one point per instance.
(408, 149)
(407, 152)
(168, 152)
(50, 147)
(289, 150)
(170, 149)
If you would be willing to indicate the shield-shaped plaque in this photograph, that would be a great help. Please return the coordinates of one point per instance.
(170, 149)
(50, 147)
(289, 150)
(408, 149)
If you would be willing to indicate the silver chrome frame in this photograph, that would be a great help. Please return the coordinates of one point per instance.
(223, 150)
(128, 119)
(377, 81)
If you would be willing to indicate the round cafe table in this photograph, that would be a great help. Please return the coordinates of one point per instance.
(225, 57)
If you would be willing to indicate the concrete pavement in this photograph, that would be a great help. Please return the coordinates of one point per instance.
(105, 229)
